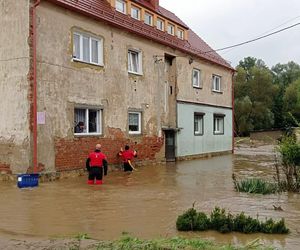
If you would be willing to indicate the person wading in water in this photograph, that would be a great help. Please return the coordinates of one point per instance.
(96, 164)
(127, 156)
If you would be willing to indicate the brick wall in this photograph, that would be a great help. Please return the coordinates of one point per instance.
(5, 168)
(71, 154)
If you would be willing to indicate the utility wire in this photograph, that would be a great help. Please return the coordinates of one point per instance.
(266, 32)
(252, 40)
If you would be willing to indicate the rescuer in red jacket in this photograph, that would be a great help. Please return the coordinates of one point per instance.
(96, 164)
(127, 156)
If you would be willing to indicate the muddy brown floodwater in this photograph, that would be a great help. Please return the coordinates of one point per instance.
(147, 202)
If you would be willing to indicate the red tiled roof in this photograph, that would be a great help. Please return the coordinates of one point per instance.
(170, 15)
(162, 11)
(102, 11)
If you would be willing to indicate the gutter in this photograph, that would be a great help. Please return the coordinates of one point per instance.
(233, 124)
(34, 48)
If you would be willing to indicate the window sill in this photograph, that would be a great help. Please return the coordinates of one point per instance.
(89, 63)
(196, 87)
(218, 133)
(217, 91)
(135, 73)
(198, 134)
(87, 135)
(134, 134)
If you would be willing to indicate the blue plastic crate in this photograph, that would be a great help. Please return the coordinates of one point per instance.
(28, 180)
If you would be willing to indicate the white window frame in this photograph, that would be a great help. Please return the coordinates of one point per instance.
(196, 84)
(99, 120)
(171, 29)
(150, 16)
(133, 8)
(91, 40)
(139, 62)
(123, 3)
(200, 130)
(139, 131)
(160, 24)
(219, 124)
(216, 83)
(180, 34)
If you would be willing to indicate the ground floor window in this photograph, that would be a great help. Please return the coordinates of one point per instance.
(198, 123)
(134, 122)
(87, 121)
(218, 124)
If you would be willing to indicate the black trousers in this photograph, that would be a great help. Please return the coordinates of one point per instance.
(95, 172)
(127, 167)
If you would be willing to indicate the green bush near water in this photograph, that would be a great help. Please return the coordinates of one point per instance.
(224, 222)
(256, 186)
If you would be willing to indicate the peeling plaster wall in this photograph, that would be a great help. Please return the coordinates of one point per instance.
(62, 84)
(14, 85)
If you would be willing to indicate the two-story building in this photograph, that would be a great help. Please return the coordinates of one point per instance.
(75, 73)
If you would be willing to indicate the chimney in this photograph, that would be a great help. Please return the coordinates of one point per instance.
(155, 3)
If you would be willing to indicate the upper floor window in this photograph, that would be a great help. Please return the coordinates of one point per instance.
(121, 6)
(135, 13)
(160, 24)
(180, 34)
(196, 78)
(134, 61)
(198, 124)
(216, 85)
(148, 19)
(218, 124)
(171, 29)
(135, 122)
(87, 48)
(87, 121)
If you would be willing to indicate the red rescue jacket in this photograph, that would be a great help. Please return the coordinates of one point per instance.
(96, 159)
(127, 155)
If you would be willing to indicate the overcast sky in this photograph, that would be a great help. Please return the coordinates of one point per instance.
(222, 23)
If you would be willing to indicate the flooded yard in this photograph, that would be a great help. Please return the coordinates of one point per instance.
(147, 202)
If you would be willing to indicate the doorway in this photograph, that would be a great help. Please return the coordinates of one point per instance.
(170, 145)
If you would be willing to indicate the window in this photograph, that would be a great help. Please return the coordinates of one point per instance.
(134, 122)
(135, 13)
(148, 19)
(218, 124)
(216, 83)
(87, 121)
(121, 6)
(196, 78)
(171, 29)
(180, 34)
(87, 49)
(198, 123)
(160, 24)
(134, 61)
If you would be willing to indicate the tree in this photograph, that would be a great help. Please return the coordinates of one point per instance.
(254, 93)
(291, 102)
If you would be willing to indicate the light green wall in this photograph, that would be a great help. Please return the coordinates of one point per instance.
(188, 144)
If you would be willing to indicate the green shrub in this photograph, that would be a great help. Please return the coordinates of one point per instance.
(221, 221)
(290, 151)
(224, 222)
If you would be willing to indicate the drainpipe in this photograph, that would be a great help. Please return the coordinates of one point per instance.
(34, 45)
(233, 126)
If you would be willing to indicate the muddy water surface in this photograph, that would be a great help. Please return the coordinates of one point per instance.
(147, 202)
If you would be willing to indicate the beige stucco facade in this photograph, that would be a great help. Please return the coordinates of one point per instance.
(64, 84)
(14, 85)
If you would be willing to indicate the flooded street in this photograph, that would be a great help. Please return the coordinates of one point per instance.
(147, 202)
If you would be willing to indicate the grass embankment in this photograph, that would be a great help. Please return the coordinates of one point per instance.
(177, 243)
